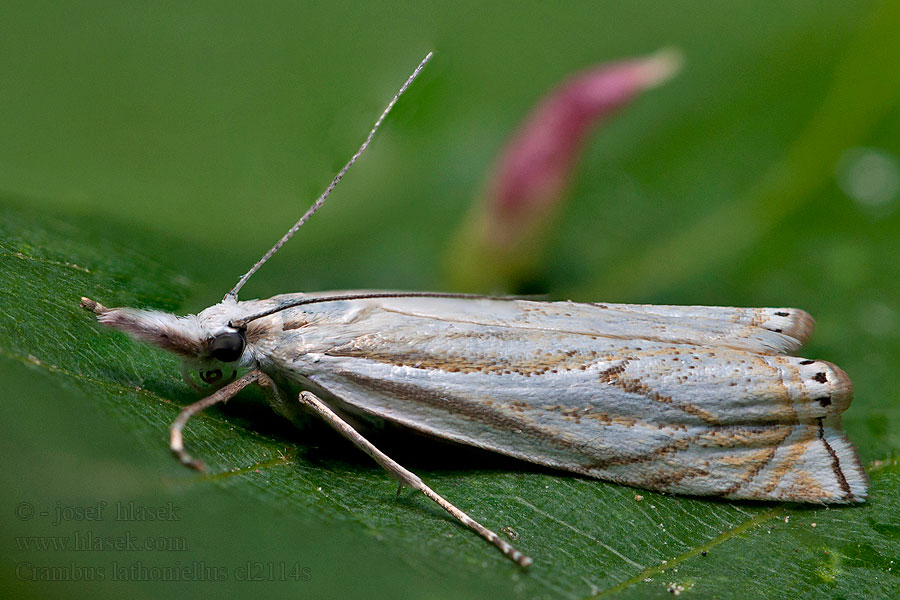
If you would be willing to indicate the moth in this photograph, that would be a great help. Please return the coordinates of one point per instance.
(685, 399)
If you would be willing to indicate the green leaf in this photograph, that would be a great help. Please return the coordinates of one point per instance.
(153, 156)
(586, 535)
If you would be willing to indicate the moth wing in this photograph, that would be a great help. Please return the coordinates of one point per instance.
(694, 400)
(752, 426)
(769, 330)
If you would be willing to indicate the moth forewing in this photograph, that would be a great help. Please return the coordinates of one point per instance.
(687, 399)
(664, 407)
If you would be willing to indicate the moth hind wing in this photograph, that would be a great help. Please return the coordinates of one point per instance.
(810, 462)
(822, 470)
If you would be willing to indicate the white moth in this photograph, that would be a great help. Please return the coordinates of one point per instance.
(685, 399)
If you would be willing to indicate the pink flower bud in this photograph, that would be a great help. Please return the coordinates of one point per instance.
(501, 244)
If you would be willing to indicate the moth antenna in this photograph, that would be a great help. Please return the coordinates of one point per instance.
(242, 322)
(321, 199)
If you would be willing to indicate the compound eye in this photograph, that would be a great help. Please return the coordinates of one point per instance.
(227, 347)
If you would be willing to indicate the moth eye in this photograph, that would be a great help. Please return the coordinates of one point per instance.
(227, 347)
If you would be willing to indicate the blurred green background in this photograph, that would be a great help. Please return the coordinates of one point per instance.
(150, 152)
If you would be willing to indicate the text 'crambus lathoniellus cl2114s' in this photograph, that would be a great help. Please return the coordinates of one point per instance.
(685, 399)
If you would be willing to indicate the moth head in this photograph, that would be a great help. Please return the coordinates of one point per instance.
(202, 342)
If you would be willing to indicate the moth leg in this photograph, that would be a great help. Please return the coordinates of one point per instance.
(407, 477)
(176, 443)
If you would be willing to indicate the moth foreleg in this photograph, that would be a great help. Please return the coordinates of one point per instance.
(176, 443)
(407, 477)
